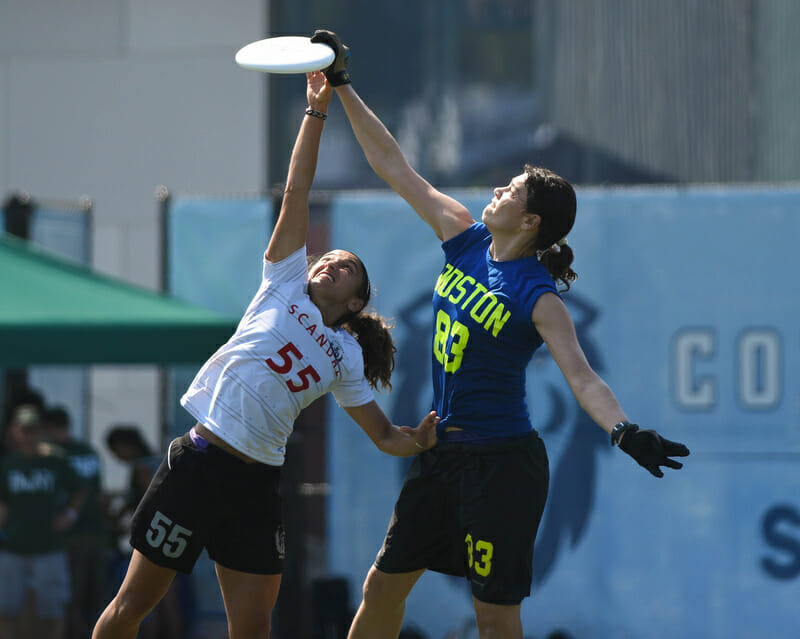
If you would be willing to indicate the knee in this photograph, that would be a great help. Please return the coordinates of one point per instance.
(379, 592)
(129, 609)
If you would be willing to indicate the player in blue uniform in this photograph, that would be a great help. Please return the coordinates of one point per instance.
(472, 504)
(483, 336)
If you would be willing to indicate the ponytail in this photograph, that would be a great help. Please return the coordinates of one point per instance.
(552, 198)
(372, 332)
(557, 260)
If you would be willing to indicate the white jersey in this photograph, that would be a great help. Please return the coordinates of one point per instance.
(280, 359)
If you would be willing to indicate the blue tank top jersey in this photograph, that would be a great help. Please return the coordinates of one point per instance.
(483, 338)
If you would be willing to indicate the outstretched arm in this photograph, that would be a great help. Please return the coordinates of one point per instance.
(445, 215)
(647, 447)
(554, 324)
(401, 441)
(292, 226)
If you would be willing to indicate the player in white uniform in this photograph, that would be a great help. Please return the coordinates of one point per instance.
(303, 335)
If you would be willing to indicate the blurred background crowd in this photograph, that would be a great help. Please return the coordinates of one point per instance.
(63, 535)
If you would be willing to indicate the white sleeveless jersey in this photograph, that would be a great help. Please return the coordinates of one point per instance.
(280, 359)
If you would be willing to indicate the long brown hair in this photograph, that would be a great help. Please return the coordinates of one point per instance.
(373, 334)
(552, 198)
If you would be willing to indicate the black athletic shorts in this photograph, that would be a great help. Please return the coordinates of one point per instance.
(472, 510)
(203, 497)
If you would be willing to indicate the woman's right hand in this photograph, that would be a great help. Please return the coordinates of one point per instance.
(425, 434)
(318, 91)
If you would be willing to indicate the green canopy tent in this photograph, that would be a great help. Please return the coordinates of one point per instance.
(57, 312)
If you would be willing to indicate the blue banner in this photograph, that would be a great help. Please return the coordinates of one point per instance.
(216, 251)
(685, 305)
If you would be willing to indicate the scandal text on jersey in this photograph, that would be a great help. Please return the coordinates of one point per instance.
(332, 350)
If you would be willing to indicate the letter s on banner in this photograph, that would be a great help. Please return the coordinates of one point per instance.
(779, 535)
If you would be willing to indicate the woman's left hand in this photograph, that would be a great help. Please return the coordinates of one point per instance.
(318, 91)
(425, 434)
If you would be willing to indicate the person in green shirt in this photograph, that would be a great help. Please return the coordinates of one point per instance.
(87, 542)
(40, 498)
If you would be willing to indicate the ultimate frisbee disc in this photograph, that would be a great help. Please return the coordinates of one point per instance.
(285, 54)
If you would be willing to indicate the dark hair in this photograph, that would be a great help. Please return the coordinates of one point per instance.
(372, 332)
(56, 416)
(128, 434)
(552, 198)
(22, 397)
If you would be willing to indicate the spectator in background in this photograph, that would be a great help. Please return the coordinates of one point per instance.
(21, 397)
(129, 446)
(40, 498)
(126, 443)
(87, 541)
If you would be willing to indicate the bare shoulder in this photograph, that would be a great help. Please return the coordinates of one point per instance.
(454, 219)
(549, 308)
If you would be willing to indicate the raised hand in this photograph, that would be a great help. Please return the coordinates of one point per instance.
(337, 72)
(318, 90)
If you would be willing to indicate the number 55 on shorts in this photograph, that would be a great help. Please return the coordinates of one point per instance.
(167, 536)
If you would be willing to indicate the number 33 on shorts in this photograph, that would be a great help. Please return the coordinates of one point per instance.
(170, 538)
(479, 555)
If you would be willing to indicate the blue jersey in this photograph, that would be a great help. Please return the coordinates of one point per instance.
(484, 337)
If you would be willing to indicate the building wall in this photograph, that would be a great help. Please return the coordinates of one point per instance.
(111, 98)
(693, 91)
(779, 90)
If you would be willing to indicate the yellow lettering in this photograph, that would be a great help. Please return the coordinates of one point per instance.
(479, 316)
(484, 566)
(480, 289)
(460, 288)
(456, 277)
(486, 309)
(444, 277)
(497, 319)
(442, 333)
(479, 555)
(459, 338)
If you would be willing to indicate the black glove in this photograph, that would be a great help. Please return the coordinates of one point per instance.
(336, 73)
(651, 450)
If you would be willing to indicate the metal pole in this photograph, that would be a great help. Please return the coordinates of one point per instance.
(163, 199)
(17, 212)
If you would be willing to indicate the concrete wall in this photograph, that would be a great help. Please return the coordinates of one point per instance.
(690, 91)
(111, 98)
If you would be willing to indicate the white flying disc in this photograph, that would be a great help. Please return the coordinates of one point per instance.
(285, 54)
